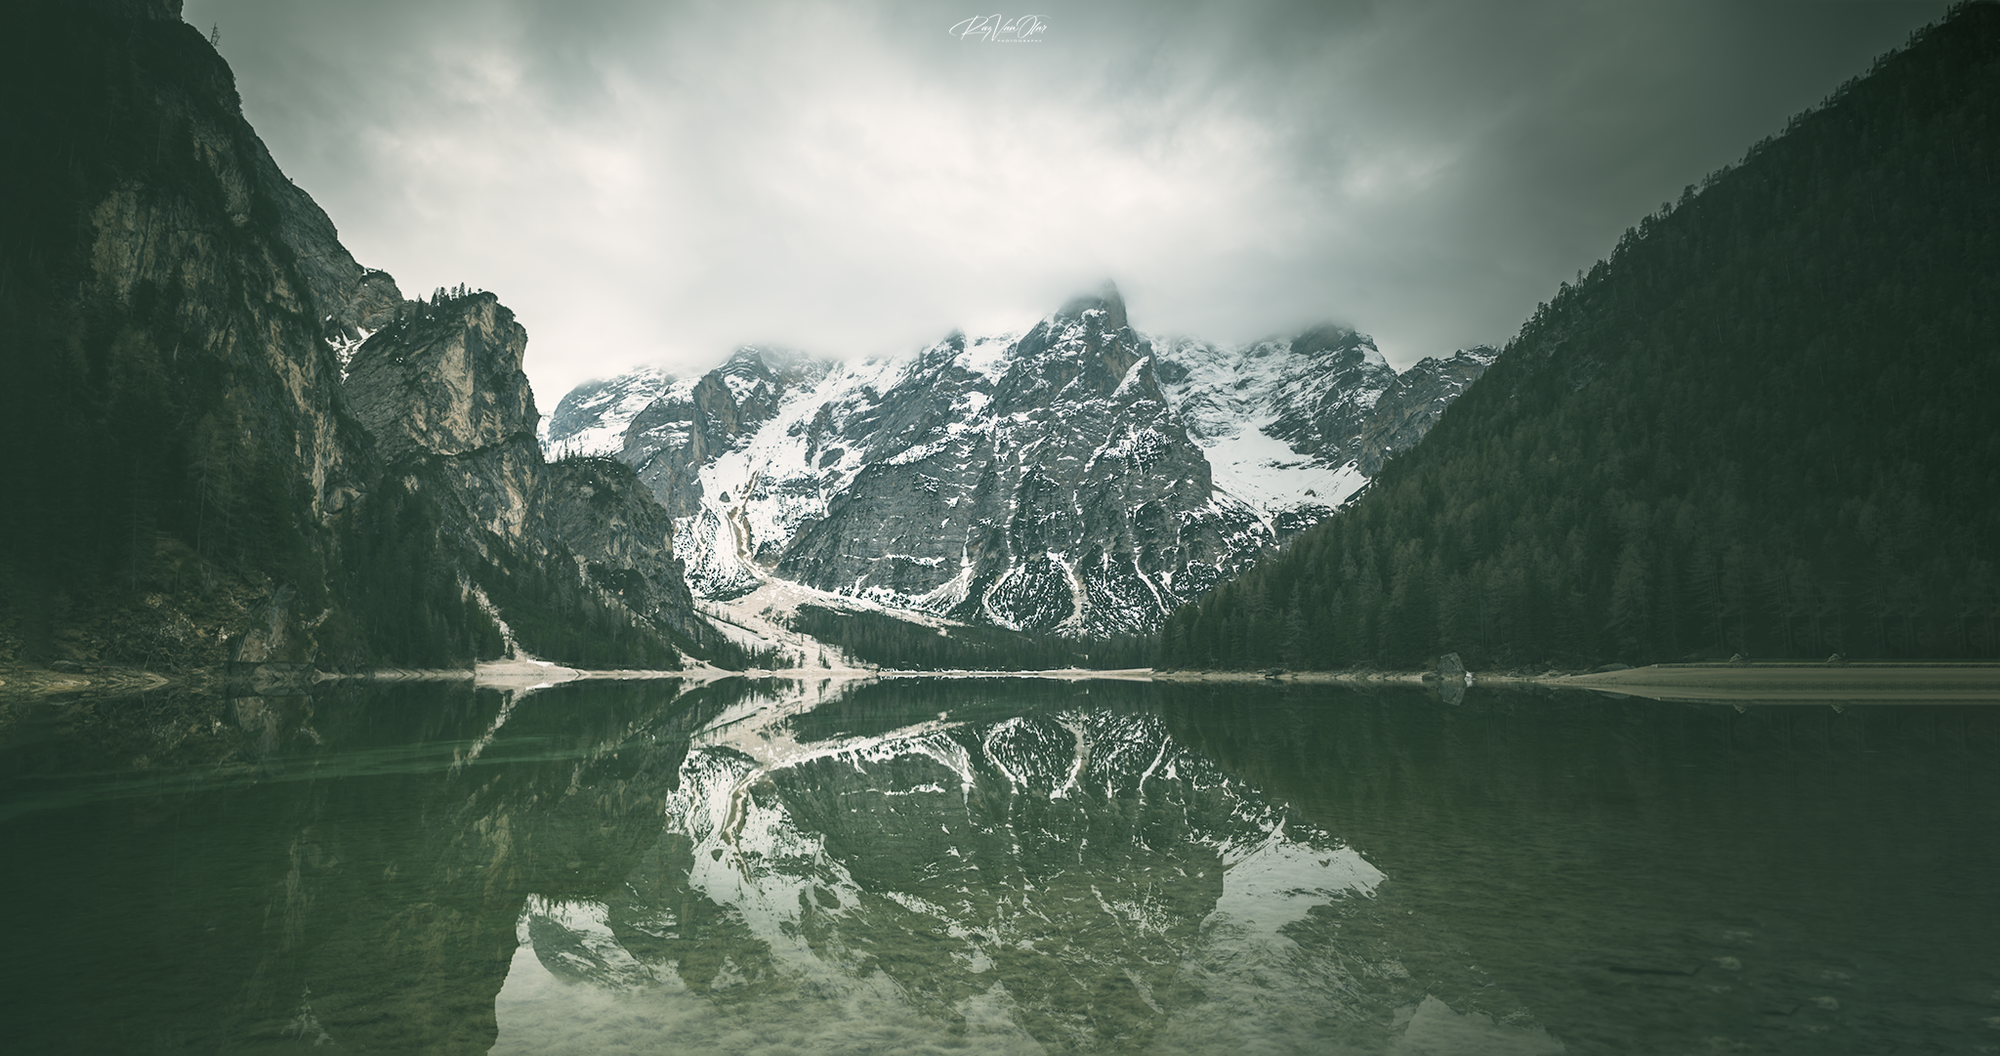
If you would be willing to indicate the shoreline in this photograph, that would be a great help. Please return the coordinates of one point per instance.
(1861, 681)
(1719, 682)
(1780, 682)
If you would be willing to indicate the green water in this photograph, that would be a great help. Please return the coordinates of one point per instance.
(1008, 866)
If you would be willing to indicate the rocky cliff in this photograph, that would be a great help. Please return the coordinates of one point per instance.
(190, 480)
(440, 389)
(1327, 396)
(689, 426)
(1080, 477)
(1411, 404)
(442, 385)
(623, 543)
(1043, 484)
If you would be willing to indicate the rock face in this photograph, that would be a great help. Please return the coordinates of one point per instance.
(176, 321)
(1324, 393)
(441, 391)
(442, 383)
(1048, 487)
(1080, 477)
(444, 379)
(592, 417)
(1411, 404)
(623, 541)
(1328, 394)
(690, 426)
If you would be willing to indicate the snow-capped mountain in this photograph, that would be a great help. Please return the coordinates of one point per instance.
(1080, 477)
(591, 419)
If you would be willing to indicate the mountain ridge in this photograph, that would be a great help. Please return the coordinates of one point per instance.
(1146, 466)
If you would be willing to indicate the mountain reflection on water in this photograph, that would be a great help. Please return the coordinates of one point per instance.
(996, 866)
(1028, 866)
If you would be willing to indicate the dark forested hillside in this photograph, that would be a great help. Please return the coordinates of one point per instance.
(1769, 424)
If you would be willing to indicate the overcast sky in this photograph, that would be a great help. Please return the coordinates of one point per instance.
(652, 182)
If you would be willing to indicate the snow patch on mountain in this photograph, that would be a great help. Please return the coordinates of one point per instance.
(591, 419)
(1266, 473)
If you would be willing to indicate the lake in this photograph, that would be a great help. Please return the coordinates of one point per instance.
(997, 866)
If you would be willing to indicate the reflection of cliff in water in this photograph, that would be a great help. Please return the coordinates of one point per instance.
(1022, 866)
(348, 866)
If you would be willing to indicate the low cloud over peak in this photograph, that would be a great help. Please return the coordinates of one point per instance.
(648, 182)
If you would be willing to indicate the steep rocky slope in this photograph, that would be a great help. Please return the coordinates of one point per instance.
(1081, 476)
(1274, 416)
(440, 389)
(189, 481)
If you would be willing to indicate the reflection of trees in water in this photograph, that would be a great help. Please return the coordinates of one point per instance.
(1600, 856)
(564, 798)
(331, 868)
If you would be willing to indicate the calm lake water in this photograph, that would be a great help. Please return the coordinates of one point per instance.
(997, 866)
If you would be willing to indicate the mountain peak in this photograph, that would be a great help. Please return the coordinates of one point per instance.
(1329, 337)
(444, 377)
(1077, 477)
(1106, 299)
(774, 362)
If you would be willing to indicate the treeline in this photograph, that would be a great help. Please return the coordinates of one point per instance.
(557, 617)
(407, 603)
(1766, 426)
(881, 639)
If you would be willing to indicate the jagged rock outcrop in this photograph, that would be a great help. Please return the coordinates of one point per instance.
(1327, 394)
(442, 382)
(444, 379)
(688, 426)
(1047, 488)
(441, 391)
(592, 417)
(1334, 378)
(176, 318)
(1039, 482)
(1411, 404)
(1080, 477)
(624, 541)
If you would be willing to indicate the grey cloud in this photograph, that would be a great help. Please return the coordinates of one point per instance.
(656, 182)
